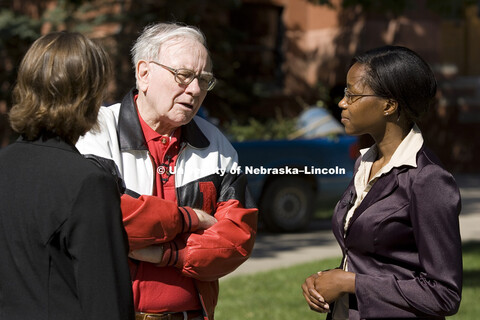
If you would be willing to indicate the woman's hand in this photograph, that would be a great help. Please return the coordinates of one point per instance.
(331, 284)
(325, 287)
(314, 299)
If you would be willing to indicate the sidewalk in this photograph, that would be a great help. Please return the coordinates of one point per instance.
(274, 251)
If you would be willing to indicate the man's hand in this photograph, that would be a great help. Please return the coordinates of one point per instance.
(152, 254)
(205, 220)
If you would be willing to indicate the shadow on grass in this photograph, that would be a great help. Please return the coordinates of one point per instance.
(471, 267)
(472, 247)
(471, 278)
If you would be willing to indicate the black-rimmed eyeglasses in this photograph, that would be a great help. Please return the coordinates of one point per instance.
(186, 76)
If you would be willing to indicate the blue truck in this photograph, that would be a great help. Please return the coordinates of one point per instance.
(289, 179)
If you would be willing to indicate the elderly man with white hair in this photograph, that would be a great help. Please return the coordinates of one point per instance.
(188, 214)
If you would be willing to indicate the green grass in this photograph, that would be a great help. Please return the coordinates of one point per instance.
(277, 294)
(470, 306)
(269, 295)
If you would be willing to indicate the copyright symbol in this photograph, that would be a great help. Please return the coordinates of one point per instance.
(161, 170)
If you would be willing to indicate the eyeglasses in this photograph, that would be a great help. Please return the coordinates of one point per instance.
(349, 96)
(186, 76)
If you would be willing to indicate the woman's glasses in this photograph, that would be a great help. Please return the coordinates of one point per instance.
(350, 97)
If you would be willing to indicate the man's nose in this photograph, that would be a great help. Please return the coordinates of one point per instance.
(194, 87)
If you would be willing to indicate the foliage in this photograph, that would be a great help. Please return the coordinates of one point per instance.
(446, 8)
(452, 9)
(393, 6)
(17, 31)
(223, 22)
(254, 129)
(277, 294)
(17, 25)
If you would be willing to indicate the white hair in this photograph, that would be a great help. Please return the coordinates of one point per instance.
(153, 37)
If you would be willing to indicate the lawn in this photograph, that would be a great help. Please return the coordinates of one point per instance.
(277, 294)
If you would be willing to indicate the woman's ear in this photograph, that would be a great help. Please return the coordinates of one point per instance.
(391, 107)
(143, 73)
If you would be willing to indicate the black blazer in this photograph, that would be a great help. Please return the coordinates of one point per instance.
(404, 243)
(62, 243)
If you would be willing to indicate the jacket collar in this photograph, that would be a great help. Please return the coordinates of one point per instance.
(384, 186)
(49, 139)
(130, 132)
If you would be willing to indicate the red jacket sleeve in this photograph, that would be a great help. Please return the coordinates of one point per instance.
(209, 254)
(150, 220)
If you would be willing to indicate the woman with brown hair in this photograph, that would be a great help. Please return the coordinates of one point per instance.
(63, 246)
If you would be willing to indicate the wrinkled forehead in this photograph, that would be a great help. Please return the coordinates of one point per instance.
(188, 53)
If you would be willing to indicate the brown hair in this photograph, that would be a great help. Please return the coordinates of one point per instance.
(60, 85)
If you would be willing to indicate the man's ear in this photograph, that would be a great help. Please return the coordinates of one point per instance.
(143, 75)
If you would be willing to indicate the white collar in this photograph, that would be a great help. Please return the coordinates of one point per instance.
(404, 155)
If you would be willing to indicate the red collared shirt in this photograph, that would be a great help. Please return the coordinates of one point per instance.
(163, 289)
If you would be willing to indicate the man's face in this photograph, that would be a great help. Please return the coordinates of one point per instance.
(166, 104)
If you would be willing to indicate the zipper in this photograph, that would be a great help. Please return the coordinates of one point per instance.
(183, 146)
(154, 167)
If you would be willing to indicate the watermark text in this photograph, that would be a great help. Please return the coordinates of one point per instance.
(285, 170)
